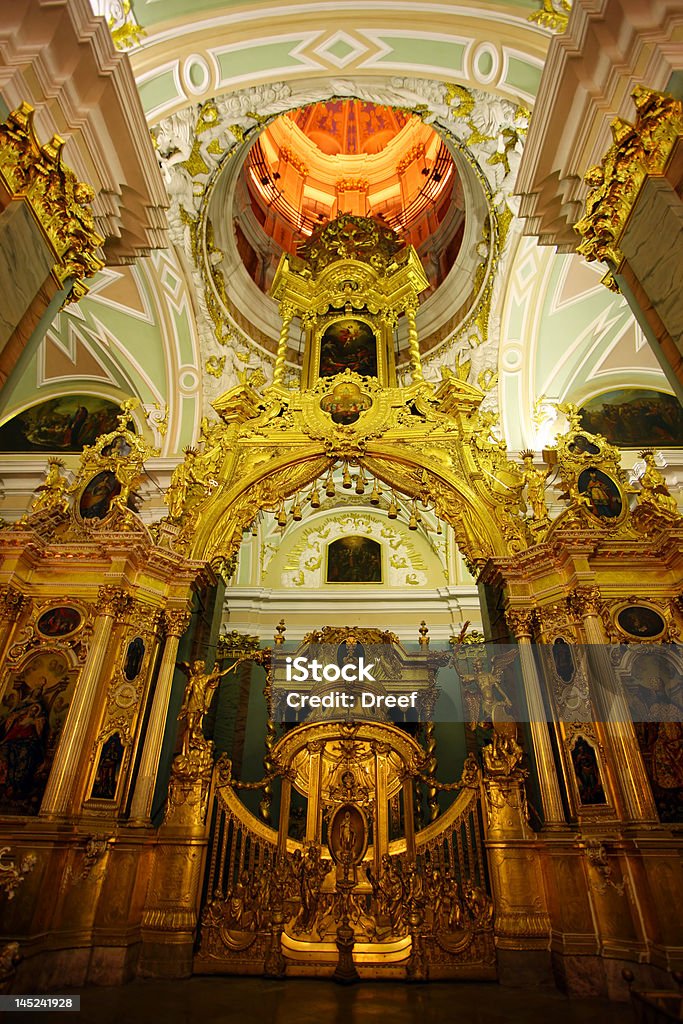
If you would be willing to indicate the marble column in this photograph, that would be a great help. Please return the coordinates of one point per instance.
(176, 623)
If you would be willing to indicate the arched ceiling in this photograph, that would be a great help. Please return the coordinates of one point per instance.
(193, 52)
(471, 71)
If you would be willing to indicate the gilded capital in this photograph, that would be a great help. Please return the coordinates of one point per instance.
(521, 623)
(585, 601)
(113, 601)
(12, 602)
(176, 622)
(637, 150)
(60, 202)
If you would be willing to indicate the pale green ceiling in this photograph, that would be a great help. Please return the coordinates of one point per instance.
(151, 13)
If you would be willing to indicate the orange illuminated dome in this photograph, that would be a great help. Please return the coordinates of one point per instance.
(348, 156)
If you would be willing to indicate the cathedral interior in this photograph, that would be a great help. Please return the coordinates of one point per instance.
(341, 497)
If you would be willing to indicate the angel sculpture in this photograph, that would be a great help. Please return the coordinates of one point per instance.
(485, 699)
(488, 705)
(197, 700)
(535, 481)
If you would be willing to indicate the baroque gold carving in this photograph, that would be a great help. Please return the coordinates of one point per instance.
(637, 151)
(60, 202)
(12, 874)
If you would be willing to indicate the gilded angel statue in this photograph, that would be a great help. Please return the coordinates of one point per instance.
(485, 698)
(197, 700)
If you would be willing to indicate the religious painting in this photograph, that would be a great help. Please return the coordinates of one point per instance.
(581, 445)
(563, 659)
(348, 344)
(347, 835)
(63, 424)
(98, 495)
(661, 746)
(59, 621)
(354, 560)
(32, 715)
(345, 403)
(641, 621)
(134, 655)
(632, 418)
(587, 772)
(602, 493)
(654, 687)
(108, 769)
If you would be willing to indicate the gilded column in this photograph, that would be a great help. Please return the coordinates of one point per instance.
(414, 344)
(62, 793)
(629, 772)
(409, 817)
(381, 805)
(287, 314)
(175, 623)
(522, 923)
(521, 623)
(314, 806)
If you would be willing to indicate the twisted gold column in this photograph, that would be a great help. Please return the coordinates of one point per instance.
(414, 344)
(287, 314)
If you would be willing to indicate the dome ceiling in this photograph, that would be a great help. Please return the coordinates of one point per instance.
(349, 127)
(348, 156)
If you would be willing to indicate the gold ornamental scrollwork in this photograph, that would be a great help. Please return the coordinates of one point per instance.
(59, 201)
(13, 871)
(12, 603)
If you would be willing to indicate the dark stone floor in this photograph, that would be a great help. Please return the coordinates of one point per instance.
(297, 1001)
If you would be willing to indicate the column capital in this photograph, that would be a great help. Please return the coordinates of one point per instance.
(176, 622)
(585, 600)
(522, 621)
(12, 602)
(113, 601)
